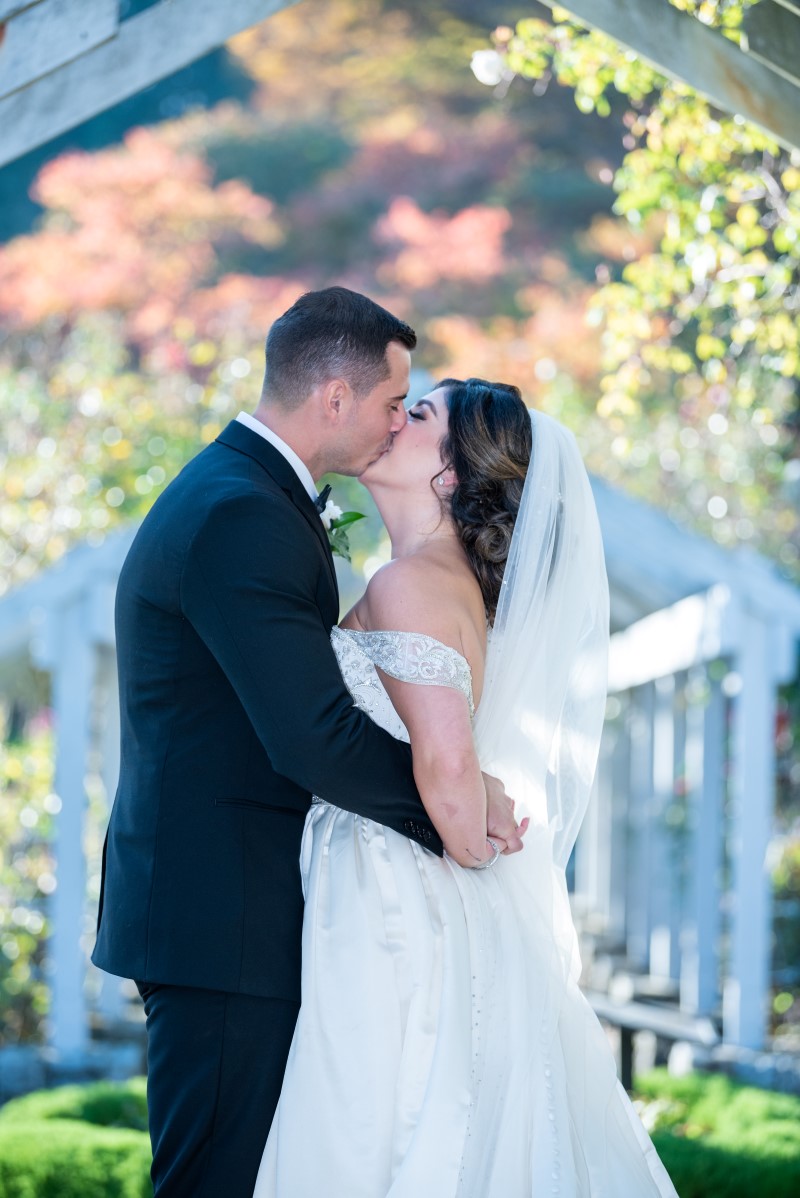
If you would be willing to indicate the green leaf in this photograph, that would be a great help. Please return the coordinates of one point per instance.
(340, 546)
(346, 519)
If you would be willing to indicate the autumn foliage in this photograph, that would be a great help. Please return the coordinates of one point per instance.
(137, 230)
(132, 317)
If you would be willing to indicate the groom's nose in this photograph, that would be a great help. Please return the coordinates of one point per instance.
(400, 420)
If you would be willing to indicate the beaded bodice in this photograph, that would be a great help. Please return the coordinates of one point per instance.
(409, 656)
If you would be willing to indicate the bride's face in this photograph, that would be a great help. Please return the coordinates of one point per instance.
(414, 457)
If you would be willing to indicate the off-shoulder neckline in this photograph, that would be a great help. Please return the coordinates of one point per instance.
(402, 632)
(432, 640)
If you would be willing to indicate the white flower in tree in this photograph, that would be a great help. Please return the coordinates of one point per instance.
(488, 67)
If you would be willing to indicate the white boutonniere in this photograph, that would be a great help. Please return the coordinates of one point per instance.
(336, 524)
(329, 513)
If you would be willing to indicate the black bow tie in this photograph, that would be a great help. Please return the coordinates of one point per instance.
(322, 499)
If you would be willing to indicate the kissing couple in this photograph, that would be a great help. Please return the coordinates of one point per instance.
(357, 981)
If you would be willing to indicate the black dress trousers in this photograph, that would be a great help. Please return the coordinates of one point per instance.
(215, 1064)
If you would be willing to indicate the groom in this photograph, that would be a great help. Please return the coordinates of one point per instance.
(233, 714)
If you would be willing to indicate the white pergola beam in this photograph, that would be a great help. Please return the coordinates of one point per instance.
(146, 48)
(86, 569)
(693, 630)
(773, 33)
(10, 8)
(48, 35)
(679, 45)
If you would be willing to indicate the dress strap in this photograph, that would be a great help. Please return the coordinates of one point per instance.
(416, 657)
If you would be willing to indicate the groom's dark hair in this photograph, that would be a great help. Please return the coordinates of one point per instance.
(334, 333)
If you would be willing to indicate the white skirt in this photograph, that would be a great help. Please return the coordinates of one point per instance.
(443, 1047)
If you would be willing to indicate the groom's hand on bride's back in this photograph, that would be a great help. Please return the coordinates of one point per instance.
(500, 821)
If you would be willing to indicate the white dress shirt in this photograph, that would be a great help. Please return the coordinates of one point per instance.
(300, 468)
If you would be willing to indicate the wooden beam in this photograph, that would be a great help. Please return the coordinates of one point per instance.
(697, 629)
(10, 8)
(679, 45)
(148, 47)
(47, 35)
(773, 37)
(86, 568)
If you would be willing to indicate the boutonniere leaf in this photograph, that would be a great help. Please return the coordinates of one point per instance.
(336, 524)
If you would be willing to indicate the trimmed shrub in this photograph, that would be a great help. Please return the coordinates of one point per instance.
(720, 1139)
(77, 1142)
(62, 1158)
(106, 1104)
(717, 1139)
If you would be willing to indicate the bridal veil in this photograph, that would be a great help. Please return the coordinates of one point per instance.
(543, 701)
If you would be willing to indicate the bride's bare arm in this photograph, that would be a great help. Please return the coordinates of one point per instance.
(408, 598)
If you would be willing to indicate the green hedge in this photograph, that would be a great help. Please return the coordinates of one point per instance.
(716, 1138)
(63, 1158)
(107, 1104)
(720, 1139)
(76, 1142)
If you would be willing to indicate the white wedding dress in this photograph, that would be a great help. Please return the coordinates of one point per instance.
(443, 1048)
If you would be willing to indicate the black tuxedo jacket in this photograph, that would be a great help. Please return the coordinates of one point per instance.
(233, 714)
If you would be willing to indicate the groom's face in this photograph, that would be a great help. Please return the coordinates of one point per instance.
(374, 419)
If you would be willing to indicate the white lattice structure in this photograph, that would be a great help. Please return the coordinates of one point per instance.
(702, 639)
(672, 860)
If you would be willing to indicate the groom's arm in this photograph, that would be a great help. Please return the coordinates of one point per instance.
(249, 589)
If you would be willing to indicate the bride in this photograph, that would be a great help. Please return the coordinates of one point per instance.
(443, 1047)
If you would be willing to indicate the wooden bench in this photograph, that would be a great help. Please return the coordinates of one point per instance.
(631, 1017)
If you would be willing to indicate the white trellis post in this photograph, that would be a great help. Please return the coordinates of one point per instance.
(640, 826)
(752, 783)
(586, 859)
(679, 847)
(663, 887)
(70, 656)
(592, 859)
(705, 757)
(110, 997)
(618, 815)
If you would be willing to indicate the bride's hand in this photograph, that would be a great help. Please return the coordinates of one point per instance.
(500, 821)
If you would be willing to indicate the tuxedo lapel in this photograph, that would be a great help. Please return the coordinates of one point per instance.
(237, 436)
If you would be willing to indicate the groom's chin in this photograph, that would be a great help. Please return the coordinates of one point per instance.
(369, 470)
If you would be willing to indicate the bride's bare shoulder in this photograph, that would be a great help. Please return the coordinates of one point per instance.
(421, 593)
(400, 590)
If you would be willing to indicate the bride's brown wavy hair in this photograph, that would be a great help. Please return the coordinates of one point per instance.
(488, 445)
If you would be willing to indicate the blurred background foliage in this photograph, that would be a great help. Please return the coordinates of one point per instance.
(26, 876)
(581, 226)
(699, 330)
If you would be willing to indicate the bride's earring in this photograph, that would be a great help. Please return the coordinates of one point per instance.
(440, 481)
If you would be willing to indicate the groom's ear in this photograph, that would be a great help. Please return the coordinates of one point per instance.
(336, 398)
